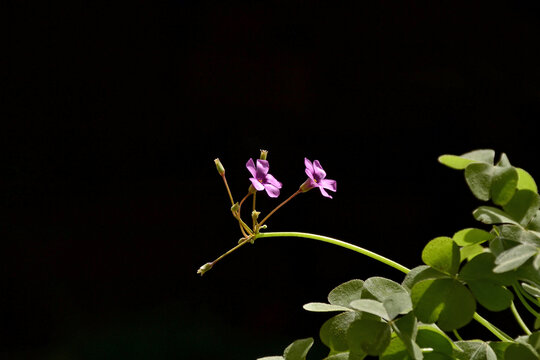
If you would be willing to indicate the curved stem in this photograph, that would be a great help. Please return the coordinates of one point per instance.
(524, 301)
(337, 242)
(519, 319)
(492, 328)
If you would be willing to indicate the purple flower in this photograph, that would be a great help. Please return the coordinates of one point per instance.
(317, 178)
(261, 179)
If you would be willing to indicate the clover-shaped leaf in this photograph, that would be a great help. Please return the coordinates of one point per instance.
(462, 161)
(368, 336)
(295, 351)
(487, 286)
(504, 184)
(471, 236)
(394, 297)
(333, 333)
(492, 215)
(445, 301)
(419, 273)
(442, 254)
(523, 206)
(526, 181)
(324, 307)
(344, 293)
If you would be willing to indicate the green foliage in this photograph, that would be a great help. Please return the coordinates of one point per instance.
(489, 267)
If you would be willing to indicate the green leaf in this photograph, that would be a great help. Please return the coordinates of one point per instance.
(479, 177)
(503, 161)
(406, 329)
(481, 155)
(333, 333)
(475, 350)
(519, 235)
(429, 337)
(523, 206)
(521, 352)
(514, 257)
(442, 254)
(323, 307)
(419, 273)
(454, 162)
(536, 262)
(345, 356)
(272, 358)
(499, 347)
(396, 350)
(368, 336)
(471, 236)
(298, 350)
(503, 185)
(526, 181)
(393, 296)
(371, 306)
(487, 286)
(445, 301)
(492, 215)
(469, 252)
(345, 293)
(531, 289)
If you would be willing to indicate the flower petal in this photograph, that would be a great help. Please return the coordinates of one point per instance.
(328, 184)
(318, 172)
(324, 192)
(262, 168)
(251, 167)
(256, 184)
(272, 181)
(271, 190)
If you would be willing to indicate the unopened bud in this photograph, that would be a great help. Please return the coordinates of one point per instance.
(264, 154)
(235, 208)
(204, 268)
(219, 166)
(255, 215)
(307, 185)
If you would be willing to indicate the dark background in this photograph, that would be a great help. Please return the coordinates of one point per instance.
(115, 113)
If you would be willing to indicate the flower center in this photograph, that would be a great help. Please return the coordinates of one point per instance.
(316, 182)
(260, 180)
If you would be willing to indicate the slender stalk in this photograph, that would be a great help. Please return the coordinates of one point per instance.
(457, 335)
(240, 244)
(227, 186)
(519, 319)
(277, 207)
(528, 296)
(337, 242)
(492, 328)
(525, 302)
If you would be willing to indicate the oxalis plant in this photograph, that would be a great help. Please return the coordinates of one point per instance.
(493, 265)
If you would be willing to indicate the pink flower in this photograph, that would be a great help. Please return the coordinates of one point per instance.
(317, 178)
(261, 179)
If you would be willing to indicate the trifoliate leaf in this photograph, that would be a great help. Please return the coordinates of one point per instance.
(471, 236)
(492, 215)
(479, 177)
(445, 301)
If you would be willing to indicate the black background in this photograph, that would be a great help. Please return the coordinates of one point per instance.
(115, 113)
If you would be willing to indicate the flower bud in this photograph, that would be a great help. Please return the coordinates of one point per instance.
(264, 154)
(204, 268)
(219, 166)
(255, 215)
(307, 185)
(235, 207)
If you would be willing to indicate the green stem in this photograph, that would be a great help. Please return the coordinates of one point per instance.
(492, 328)
(527, 295)
(524, 301)
(344, 244)
(519, 319)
